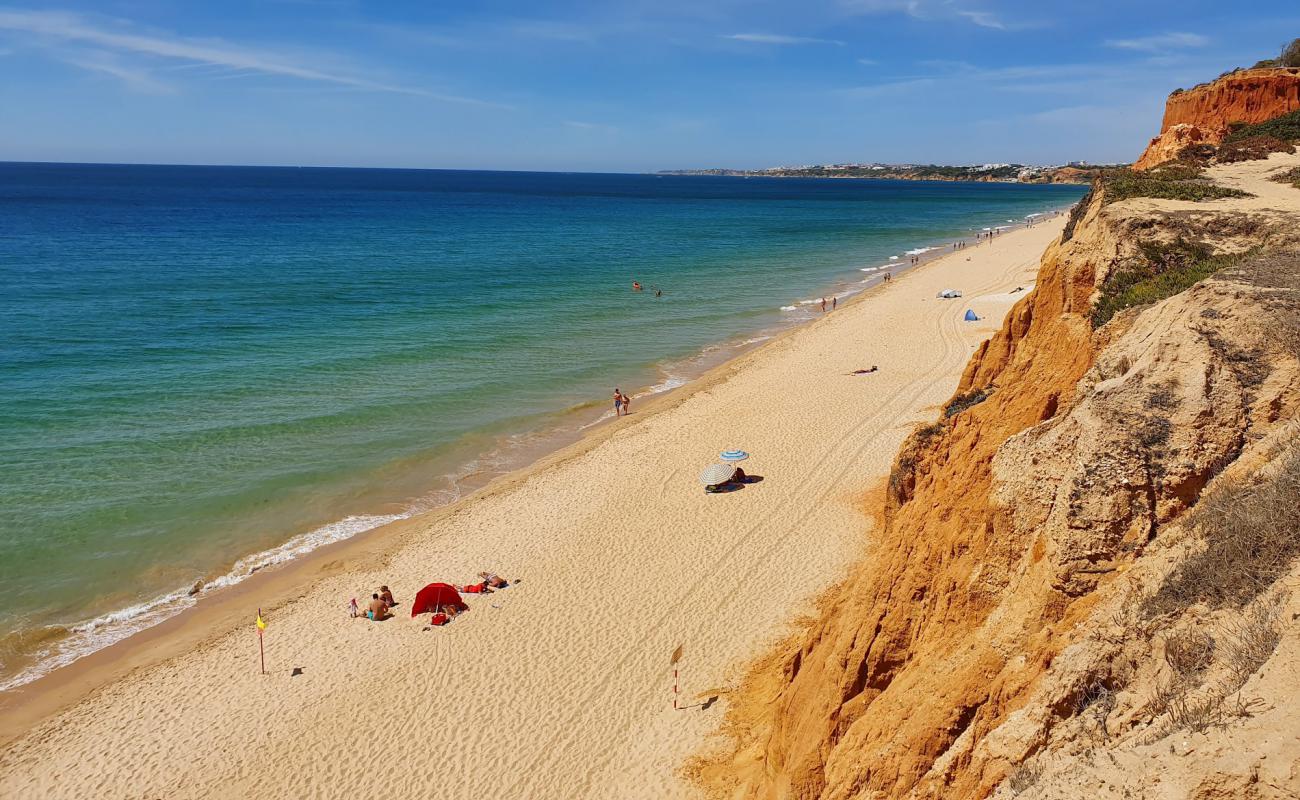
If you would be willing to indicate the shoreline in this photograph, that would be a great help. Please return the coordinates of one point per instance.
(645, 528)
(550, 440)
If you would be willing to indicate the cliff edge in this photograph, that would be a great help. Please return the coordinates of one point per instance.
(1080, 583)
(1205, 114)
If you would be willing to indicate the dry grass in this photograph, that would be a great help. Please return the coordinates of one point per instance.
(1251, 641)
(964, 401)
(1291, 176)
(1025, 776)
(1189, 653)
(1252, 536)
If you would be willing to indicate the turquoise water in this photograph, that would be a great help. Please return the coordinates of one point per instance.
(201, 364)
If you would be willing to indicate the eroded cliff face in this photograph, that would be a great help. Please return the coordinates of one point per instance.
(956, 652)
(1203, 114)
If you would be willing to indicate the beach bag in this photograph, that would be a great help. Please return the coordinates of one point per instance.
(439, 619)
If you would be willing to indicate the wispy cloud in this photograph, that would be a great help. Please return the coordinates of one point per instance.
(1160, 43)
(777, 38)
(136, 79)
(984, 19)
(868, 62)
(939, 11)
(69, 27)
(590, 126)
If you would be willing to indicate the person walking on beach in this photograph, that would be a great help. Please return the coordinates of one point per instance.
(618, 403)
(627, 404)
(835, 301)
(823, 305)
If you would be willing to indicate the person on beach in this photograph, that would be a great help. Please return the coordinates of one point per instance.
(378, 608)
(823, 305)
(835, 301)
(491, 580)
(865, 371)
(627, 403)
(354, 610)
(387, 596)
(618, 403)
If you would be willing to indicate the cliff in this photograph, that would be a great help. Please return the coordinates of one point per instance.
(1014, 616)
(1204, 114)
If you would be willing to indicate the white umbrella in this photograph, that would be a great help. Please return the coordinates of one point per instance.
(717, 473)
(734, 455)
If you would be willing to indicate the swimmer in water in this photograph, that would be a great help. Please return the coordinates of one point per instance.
(659, 292)
(636, 287)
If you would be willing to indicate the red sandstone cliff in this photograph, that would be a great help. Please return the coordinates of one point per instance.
(1204, 113)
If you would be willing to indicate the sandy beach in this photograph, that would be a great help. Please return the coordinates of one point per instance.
(560, 686)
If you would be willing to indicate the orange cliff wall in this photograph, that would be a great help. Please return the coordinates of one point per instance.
(899, 665)
(1203, 114)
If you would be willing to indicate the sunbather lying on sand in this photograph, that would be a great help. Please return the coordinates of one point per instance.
(492, 580)
(865, 371)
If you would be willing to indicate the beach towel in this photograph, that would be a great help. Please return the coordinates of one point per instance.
(474, 588)
(439, 619)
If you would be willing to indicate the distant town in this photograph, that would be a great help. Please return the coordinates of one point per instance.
(1073, 172)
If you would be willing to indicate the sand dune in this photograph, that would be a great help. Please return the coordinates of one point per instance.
(559, 687)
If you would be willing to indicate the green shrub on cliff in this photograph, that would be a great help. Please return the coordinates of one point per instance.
(1121, 184)
(1291, 176)
(1285, 127)
(1160, 270)
(1290, 54)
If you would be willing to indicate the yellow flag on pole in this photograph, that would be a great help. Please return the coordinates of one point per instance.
(261, 626)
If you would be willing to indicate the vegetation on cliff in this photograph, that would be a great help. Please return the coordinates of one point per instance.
(1159, 270)
(1177, 183)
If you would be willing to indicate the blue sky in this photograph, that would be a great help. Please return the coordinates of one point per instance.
(618, 85)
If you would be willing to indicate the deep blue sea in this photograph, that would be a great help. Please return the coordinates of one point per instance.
(205, 370)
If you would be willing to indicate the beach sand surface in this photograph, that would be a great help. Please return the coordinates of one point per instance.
(560, 686)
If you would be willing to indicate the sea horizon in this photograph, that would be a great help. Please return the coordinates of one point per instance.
(384, 451)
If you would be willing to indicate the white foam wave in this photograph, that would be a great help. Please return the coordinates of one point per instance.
(95, 634)
(920, 251)
(893, 258)
(789, 308)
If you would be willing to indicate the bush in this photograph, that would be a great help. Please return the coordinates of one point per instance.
(1252, 148)
(1160, 271)
(1290, 56)
(1285, 127)
(1122, 184)
(1252, 537)
(1076, 213)
(964, 401)
(1291, 176)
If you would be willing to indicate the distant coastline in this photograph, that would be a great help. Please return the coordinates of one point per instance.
(984, 173)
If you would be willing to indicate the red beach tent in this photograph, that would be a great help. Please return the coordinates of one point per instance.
(435, 596)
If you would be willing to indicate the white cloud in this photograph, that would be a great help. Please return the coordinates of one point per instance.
(74, 28)
(984, 19)
(1160, 43)
(776, 38)
(136, 79)
(590, 126)
(868, 62)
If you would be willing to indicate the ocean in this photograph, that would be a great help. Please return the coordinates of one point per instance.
(209, 370)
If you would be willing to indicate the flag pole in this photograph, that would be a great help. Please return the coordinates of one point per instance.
(261, 651)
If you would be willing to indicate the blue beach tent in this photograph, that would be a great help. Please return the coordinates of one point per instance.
(970, 316)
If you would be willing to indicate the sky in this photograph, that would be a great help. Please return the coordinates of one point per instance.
(619, 85)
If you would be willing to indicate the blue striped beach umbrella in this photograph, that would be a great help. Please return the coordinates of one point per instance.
(734, 455)
(715, 474)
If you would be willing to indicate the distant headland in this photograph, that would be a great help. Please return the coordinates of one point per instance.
(1073, 172)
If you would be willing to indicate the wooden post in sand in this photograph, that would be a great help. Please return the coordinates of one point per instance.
(677, 656)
